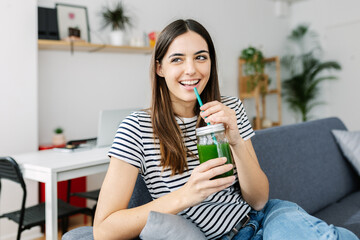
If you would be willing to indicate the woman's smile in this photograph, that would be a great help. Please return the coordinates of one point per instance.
(189, 84)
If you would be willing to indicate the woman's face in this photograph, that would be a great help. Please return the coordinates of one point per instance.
(185, 65)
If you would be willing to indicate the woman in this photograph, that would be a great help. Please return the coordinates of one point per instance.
(161, 144)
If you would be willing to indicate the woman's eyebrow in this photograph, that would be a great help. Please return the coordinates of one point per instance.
(181, 54)
(176, 54)
(201, 51)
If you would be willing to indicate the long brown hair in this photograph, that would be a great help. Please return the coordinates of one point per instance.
(172, 147)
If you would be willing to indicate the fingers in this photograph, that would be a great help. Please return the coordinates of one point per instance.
(215, 112)
(221, 183)
(214, 119)
(216, 171)
(211, 164)
(213, 168)
(199, 186)
(209, 104)
(211, 108)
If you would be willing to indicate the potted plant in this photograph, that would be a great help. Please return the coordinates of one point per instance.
(253, 67)
(118, 19)
(306, 71)
(59, 138)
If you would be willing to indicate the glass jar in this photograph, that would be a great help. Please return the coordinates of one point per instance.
(212, 143)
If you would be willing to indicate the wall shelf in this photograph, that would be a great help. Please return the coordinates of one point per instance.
(89, 47)
(258, 94)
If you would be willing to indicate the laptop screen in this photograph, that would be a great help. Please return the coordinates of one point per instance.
(109, 121)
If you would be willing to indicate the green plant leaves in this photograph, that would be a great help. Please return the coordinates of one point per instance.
(254, 66)
(58, 130)
(302, 88)
(116, 17)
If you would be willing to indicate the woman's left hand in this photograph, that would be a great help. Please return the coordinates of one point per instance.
(215, 112)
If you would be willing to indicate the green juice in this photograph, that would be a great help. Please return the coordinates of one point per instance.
(207, 152)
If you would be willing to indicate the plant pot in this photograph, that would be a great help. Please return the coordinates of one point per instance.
(58, 140)
(117, 38)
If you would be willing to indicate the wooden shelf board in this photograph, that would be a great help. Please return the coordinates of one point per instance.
(273, 91)
(265, 60)
(272, 59)
(275, 124)
(247, 95)
(89, 47)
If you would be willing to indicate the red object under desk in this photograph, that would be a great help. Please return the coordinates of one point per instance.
(77, 185)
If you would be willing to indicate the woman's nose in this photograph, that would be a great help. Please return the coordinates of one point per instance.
(190, 68)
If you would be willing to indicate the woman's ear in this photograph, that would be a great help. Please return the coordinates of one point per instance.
(159, 69)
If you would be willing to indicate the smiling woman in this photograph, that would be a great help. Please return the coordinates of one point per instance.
(160, 143)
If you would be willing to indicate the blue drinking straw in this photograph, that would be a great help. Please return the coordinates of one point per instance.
(199, 99)
(200, 103)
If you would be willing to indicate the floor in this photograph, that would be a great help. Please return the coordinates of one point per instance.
(74, 222)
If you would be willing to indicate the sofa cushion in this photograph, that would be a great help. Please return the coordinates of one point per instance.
(140, 195)
(304, 164)
(81, 233)
(168, 226)
(349, 143)
(345, 213)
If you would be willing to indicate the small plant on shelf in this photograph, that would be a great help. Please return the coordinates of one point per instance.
(116, 17)
(253, 67)
(119, 20)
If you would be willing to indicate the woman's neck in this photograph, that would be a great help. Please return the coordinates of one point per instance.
(185, 110)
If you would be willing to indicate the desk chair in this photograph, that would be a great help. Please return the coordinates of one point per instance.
(92, 195)
(29, 217)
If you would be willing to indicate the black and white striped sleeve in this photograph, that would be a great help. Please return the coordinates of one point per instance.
(128, 145)
(243, 122)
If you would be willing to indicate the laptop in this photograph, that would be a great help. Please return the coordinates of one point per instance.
(109, 121)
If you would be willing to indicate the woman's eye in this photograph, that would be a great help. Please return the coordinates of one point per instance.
(175, 60)
(201, 57)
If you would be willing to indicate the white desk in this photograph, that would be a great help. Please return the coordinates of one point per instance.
(50, 167)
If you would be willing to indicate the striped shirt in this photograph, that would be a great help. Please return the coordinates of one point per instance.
(134, 143)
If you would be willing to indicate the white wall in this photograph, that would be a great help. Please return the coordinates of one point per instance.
(338, 25)
(73, 88)
(18, 99)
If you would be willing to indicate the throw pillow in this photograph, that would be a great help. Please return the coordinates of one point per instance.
(80, 233)
(349, 143)
(162, 226)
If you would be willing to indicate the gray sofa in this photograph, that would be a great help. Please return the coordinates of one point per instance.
(305, 165)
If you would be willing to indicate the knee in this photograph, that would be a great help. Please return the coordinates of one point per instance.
(277, 203)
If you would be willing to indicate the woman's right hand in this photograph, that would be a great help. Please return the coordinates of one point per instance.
(199, 185)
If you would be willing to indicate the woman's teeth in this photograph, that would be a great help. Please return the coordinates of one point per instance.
(189, 83)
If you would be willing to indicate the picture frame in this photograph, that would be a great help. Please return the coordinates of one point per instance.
(73, 16)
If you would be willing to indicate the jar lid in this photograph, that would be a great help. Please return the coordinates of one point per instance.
(210, 129)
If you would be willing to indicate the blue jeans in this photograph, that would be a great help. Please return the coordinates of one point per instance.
(286, 220)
